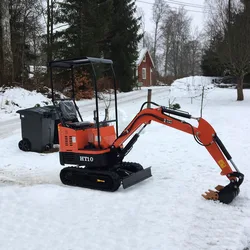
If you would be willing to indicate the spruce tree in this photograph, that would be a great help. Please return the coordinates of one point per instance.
(124, 41)
(103, 28)
(88, 22)
(210, 63)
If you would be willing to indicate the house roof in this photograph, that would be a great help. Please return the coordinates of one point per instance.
(142, 53)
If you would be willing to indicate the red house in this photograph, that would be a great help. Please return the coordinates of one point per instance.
(145, 70)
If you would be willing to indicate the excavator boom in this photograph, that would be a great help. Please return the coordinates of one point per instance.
(204, 134)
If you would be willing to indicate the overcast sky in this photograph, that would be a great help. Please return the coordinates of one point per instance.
(195, 10)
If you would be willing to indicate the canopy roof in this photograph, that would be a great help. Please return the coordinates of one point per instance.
(68, 63)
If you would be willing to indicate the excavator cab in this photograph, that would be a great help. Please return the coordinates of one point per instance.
(69, 111)
(95, 150)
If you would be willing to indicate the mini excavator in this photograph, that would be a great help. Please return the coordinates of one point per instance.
(95, 151)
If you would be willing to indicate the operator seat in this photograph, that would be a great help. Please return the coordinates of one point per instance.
(69, 116)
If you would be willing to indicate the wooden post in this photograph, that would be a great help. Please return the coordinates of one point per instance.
(202, 98)
(149, 98)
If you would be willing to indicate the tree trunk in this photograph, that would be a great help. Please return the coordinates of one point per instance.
(166, 64)
(1, 58)
(49, 52)
(155, 41)
(7, 57)
(240, 95)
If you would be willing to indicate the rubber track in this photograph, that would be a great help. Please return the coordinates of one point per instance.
(86, 178)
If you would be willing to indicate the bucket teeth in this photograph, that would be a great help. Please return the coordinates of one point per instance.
(211, 195)
(219, 187)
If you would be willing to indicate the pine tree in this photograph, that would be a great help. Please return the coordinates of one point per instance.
(123, 42)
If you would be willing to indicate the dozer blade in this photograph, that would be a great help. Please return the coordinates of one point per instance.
(136, 177)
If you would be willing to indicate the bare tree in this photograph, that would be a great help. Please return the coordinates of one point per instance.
(167, 29)
(175, 38)
(148, 42)
(6, 63)
(194, 53)
(159, 9)
(140, 15)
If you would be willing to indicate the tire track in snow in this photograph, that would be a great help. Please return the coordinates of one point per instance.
(24, 178)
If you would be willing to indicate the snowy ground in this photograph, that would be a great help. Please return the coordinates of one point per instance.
(165, 212)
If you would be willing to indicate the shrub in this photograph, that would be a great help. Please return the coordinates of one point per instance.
(83, 87)
(15, 104)
(175, 106)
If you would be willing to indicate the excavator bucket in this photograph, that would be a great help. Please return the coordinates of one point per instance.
(136, 177)
(225, 194)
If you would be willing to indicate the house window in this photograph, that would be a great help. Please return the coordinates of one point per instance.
(144, 73)
(144, 58)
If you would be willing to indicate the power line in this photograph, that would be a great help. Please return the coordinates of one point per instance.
(178, 3)
(184, 3)
(174, 7)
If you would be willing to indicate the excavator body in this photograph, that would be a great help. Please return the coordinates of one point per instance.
(95, 150)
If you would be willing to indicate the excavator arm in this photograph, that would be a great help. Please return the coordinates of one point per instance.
(204, 134)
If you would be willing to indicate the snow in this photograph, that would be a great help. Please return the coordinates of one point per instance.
(13, 99)
(191, 87)
(166, 211)
(141, 55)
(36, 69)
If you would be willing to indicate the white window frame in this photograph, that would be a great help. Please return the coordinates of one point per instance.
(144, 73)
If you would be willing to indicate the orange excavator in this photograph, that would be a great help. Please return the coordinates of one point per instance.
(95, 151)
